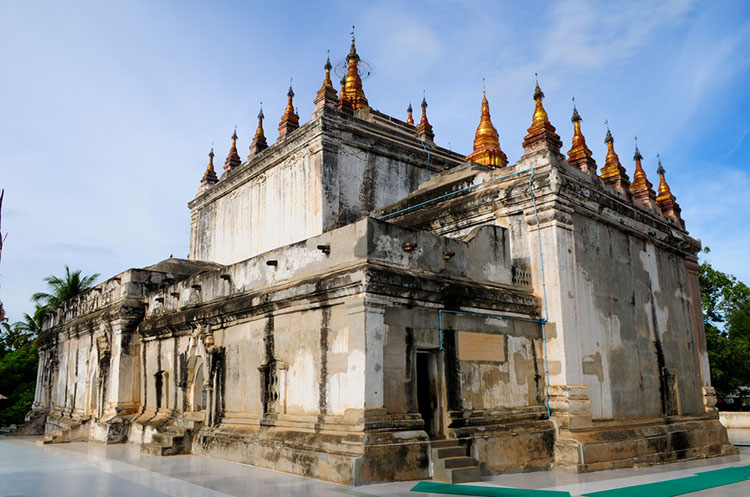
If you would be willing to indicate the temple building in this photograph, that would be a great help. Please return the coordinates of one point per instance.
(360, 304)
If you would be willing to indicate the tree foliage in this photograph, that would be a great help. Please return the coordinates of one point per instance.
(18, 355)
(62, 289)
(726, 314)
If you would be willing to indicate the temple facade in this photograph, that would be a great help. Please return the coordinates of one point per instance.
(360, 305)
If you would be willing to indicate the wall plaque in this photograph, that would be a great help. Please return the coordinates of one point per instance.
(481, 347)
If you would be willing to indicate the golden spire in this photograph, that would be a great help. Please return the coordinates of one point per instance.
(540, 115)
(327, 83)
(541, 133)
(613, 174)
(579, 155)
(290, 119)
(233, 158)
(424, 128)
(666, 201)
(209, 177)
(641, 188)
(486, 141)
(352, 86)
(326, 96)
(259, 140)
(664, 193)
(409, 116)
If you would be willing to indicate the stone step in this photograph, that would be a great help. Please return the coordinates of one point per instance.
(174, 438)
(435, 444)
(457, 462)
(152, 449)
(451, 464)
(442, 453)
(464, 475)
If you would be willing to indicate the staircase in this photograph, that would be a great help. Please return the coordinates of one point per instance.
(173, 438)
(64, 434)
(451, 464)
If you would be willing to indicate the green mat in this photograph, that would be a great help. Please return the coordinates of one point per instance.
(679, 486)
(668, 488)
(447, 488)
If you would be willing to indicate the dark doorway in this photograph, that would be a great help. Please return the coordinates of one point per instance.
(427, 392)
(159, 388)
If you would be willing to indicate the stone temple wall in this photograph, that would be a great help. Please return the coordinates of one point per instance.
(626, 346)
(325, 175)
(531, 314)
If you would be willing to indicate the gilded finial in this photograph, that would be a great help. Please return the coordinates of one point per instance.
(290, 119)
(326, 96)
(487, 149)
(541, 133)
(579, 155)
(259, 140)
(209, 177)
(576, 117)
(351, 86)
(409, 115)
(538, 94)
(665, 200)
(664, 192)
(641, 188)
(424, 128)
(233, 158)
(613, 173)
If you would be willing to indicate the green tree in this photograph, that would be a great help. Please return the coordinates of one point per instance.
(62, 289)
(18, 355)
(17, 381)
(726, 314)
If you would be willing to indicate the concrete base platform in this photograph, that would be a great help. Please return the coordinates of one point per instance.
(121, 470)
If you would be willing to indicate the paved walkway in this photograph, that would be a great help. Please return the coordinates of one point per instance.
(92, 469)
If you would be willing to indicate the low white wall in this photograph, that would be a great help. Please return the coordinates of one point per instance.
(735, 420)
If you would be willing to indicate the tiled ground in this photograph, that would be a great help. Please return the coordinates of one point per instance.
(88, 469)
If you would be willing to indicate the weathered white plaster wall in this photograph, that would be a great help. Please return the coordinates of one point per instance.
(633, 314)
(279, 206)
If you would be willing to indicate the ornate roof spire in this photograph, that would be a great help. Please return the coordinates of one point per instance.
(641, 188)
(259, 140)
(486, 141)
(541, 133)
(209, 178)
(613, 174)
(352, 86)
(579, 155)
(666, 201)
(290, 119)
(409, 115)
(233, 158)
(424, 128)
(326, 96)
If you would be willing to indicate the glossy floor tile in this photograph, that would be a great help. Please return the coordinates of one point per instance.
(87, 469)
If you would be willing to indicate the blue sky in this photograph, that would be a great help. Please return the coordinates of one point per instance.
(109, 108)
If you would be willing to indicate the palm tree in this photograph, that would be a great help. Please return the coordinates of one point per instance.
(31, 324)
(18, 334)
(62, 289)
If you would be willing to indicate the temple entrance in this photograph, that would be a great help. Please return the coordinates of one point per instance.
(429, 401)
